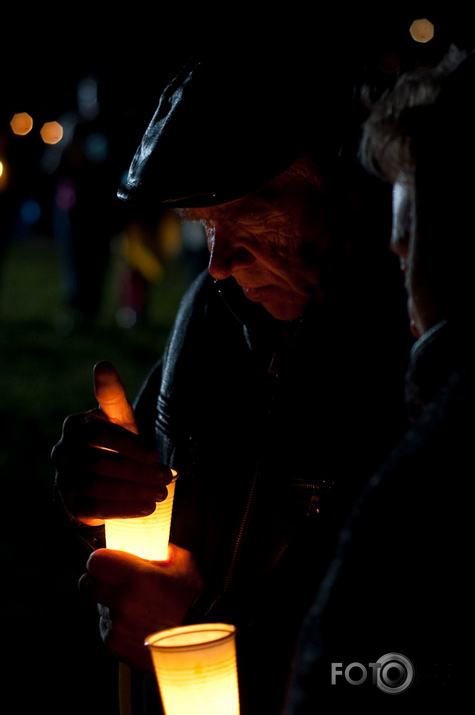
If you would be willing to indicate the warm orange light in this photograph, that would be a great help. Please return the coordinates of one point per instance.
(196, 669)
(4, 176)
(146, 536)
(422, 30)
(51, 132)
(21, 123)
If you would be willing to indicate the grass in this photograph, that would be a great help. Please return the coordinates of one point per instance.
(45, 375)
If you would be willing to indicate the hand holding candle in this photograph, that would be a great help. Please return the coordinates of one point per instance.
(148, 536)
(104, 470)
(137, 597)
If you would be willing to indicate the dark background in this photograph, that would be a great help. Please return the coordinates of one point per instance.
(53, 655)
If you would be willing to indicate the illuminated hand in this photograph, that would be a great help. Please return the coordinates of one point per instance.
(103, 469)
(139, 597)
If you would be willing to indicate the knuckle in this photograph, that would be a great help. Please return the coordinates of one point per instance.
(71, 422)
(79, 421)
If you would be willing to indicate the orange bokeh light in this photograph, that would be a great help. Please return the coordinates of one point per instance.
(51, 132)
(21, 123)
(422, 30)
(4, 175)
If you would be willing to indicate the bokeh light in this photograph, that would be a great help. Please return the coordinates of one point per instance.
(21, 123)
(422, 30)
(51, 132)
(4, 175)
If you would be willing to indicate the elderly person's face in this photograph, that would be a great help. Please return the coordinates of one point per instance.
(273, 242)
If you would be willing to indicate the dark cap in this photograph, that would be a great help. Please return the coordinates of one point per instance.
(229, 123)
(241, 114)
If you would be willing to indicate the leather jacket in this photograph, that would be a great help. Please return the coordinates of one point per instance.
(273, 434)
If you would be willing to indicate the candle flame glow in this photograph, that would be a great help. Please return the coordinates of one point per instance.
(196, 669)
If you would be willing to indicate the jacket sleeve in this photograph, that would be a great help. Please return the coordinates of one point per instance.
(162, 380)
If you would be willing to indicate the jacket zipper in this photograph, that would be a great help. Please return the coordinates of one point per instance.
(239, 539)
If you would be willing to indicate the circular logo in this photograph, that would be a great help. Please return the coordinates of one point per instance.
(395, 673)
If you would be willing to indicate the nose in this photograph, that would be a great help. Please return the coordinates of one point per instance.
(226, 253)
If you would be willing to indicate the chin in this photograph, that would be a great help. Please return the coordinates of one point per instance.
(284, 312)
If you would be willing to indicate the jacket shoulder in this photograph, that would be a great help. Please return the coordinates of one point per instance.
(192, 305)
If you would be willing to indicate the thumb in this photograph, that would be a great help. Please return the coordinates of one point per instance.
(110, 394)
(113, 567)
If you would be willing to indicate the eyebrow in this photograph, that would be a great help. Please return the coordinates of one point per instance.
(195, 214)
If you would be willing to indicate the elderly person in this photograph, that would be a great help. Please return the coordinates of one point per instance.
(279, 390)
(396, 593)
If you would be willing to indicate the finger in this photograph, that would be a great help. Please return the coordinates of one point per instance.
(90, 428)
(110, 394)
(89, 462)
(91, 496)
(107, 463)
(85, 509)
(115, 568)
(111, 489)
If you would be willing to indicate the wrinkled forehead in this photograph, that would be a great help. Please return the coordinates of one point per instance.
(281, 193)
(224, 212)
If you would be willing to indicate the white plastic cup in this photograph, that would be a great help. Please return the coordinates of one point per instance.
(146, 536)
(196, 669)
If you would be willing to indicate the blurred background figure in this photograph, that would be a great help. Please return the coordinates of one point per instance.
(84, 217)
(144, 249)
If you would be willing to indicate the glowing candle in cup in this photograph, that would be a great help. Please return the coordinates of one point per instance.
(146, 536)
(196, 669)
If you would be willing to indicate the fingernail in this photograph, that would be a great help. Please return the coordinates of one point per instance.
(147, 509)
(161, 494)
